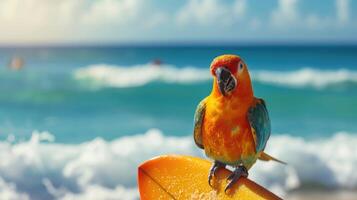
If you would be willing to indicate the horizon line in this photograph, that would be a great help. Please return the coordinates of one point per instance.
(211, 43)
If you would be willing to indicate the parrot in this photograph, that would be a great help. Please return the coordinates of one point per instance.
(231, 125)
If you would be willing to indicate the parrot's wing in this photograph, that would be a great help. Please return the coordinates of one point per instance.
(260, 123)
(199, 115)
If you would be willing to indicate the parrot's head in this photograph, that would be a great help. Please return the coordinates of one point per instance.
(231, 76)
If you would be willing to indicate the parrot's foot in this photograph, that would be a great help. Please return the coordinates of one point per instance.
(212, 172)
(236, 174)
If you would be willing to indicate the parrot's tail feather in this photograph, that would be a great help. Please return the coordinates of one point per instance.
(264, 156)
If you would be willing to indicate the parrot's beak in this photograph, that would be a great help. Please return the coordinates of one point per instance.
(225, 80)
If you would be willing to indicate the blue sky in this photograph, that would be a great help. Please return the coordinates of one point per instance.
(137, 21)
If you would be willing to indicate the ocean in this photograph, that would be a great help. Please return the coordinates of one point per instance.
(76, 121)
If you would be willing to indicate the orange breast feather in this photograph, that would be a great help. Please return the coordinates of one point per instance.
(226, 132)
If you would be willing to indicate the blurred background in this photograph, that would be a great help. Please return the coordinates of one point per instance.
(90, 89)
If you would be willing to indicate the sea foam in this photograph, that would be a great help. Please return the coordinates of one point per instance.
(99, 169)
(133, 76)
(306, 77)
(139, 75)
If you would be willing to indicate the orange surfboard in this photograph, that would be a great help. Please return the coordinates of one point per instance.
(185, 178)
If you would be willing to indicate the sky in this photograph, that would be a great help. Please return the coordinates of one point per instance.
(165, 21)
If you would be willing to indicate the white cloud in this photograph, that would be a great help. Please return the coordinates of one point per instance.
(240, 7)
(286, 13)
(112, 11)
(157, 19)
(39, 21)
(342, 11)
(43, 20)
(202, 12)
(209, 12)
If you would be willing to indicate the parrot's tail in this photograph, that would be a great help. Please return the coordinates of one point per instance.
(266, 157)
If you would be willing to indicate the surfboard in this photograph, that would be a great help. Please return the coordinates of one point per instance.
(186, 178)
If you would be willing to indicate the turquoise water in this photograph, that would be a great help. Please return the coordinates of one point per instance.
(46, 95)
(99, 112)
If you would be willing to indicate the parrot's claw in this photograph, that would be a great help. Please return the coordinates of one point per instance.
(212, 172)
(234, 177)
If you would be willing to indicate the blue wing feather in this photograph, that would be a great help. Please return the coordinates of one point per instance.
(198, 120)
(259, 120)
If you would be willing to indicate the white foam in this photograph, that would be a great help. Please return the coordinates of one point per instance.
(138, 75)
(132, 76)
(8, 191)
(326, 163)
(100, 169)
(97, 168)
(306, 77)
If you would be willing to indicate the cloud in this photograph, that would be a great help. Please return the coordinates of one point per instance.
(240, 7)
(210, 12)
(112, 11)
(202, 12)
(43, 20)
(342, 10)
(286, 13)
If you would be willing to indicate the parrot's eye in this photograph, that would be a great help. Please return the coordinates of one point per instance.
(240, 67)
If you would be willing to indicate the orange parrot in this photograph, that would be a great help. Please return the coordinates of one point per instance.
(231, 125)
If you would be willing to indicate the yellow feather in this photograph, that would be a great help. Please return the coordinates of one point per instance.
(266, 157)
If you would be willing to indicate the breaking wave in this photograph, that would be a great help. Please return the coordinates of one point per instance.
(121, 76)
(307, 77)
(139, 75)
(99, 169)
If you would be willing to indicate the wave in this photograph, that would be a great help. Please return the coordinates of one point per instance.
(139, 75)
(306, 77)
(107, 169)
(133, 76)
